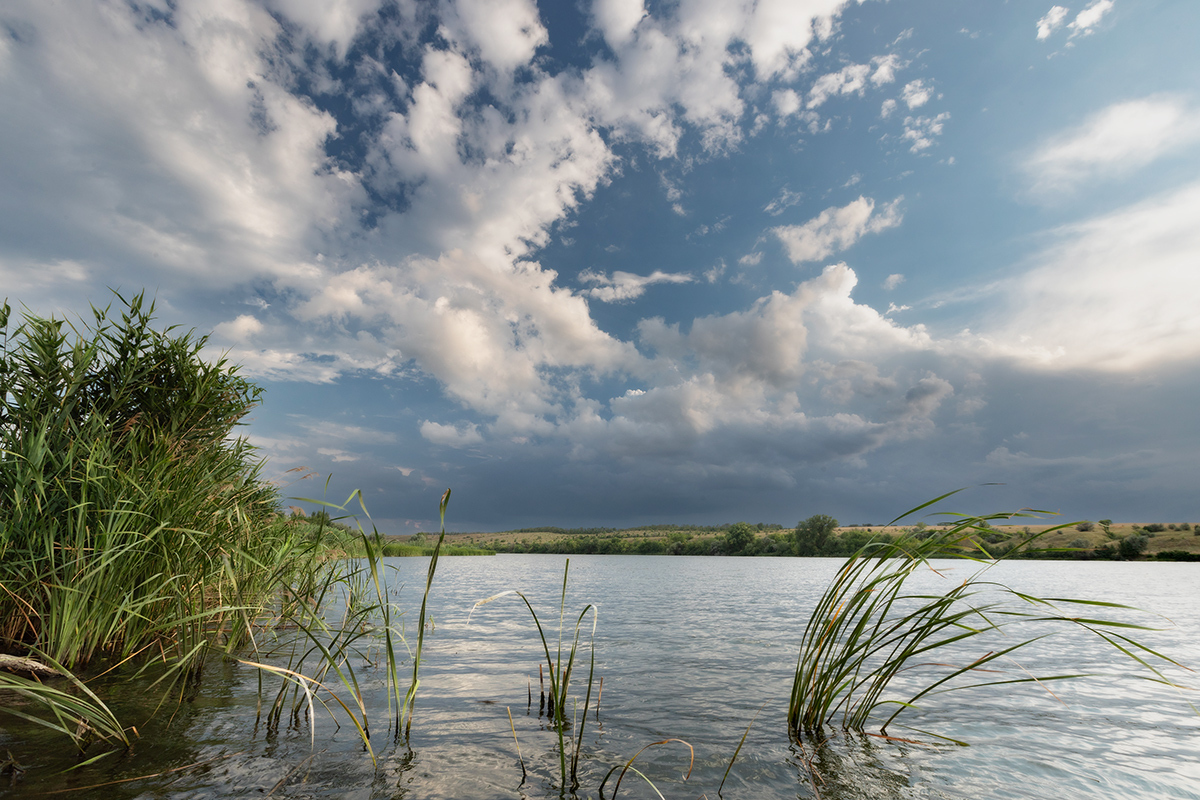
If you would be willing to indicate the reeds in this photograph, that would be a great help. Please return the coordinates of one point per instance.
(866, 629)
(559, 674)
(325, 648)
(134, 525)
(131, 519)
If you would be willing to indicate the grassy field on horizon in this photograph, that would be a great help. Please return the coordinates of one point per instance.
(1171, 537)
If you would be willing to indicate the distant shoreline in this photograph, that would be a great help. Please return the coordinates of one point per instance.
(1174, 541)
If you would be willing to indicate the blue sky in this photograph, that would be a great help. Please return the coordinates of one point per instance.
(619, 262)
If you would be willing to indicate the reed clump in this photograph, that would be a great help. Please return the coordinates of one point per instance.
(132, 518)
(135, 527)
(868, 628)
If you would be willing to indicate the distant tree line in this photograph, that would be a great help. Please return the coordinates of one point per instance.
(815, 536)
(818, 535)
(669, 526)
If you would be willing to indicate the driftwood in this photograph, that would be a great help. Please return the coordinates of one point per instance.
(20, 664)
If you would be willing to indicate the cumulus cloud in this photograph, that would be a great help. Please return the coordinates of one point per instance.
(852, 79)
(531, 169)
(238, 330)
(779, 32)
(916, 94)
(836, 229)
(495, 339)
(1084, 24)
(920, 131)
(1053, 20)
(464, 434)
(617, 19)
(332, 25)
(1116, 140)
(1087, 19)
(786, 102)
(217, 175)
(505, 33)
(736, 389)
(766, 344)
(338, 456)
(625, 286)
(892, 281)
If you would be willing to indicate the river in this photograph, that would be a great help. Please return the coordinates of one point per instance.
(697, 649)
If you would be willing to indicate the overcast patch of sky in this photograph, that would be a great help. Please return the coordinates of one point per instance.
(700, 262)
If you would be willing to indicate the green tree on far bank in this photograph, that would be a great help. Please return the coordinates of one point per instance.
(739, 537)
(812, 536)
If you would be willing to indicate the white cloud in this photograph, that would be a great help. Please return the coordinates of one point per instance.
(751, 259)
(338, 456)
(1114, 141)
(332, 24)
(326, 430)
(728, 393)
(767, 343)
(1053, 20)
(463, 434)
(786, 102)
(202, 167)
(531, 169)
(885, 69)
(625, 286)
(892, 281)
(506, 33)
(1087, 20)
(916, 94)
(786, 199)
(617, 19)
(238, 330)
(853, 79)
(922, 130)
(887, 108)
(779, 32)
(836, 229)
(1084, 24)
(495, 339)
(1115, 293)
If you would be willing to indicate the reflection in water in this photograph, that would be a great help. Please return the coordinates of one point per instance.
(689, 648)
(854, 766)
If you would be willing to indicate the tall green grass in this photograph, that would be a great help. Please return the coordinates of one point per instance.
(867, 629)
(135, 527)
(132, 518)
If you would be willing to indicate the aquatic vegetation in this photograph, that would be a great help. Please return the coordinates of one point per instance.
(132, 520)
(560, 674)
(867, 629)
(79, 714)
(628, 767)
(360, 587)
(135, 527)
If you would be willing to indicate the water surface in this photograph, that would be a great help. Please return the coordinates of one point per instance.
(689, 648)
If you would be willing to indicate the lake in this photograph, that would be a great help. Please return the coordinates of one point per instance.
(688, 648)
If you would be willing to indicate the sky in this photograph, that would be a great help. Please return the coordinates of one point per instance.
(619, 262)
